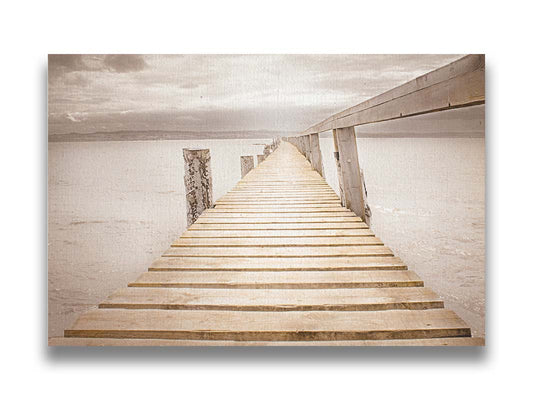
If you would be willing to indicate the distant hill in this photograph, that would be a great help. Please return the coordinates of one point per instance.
(161, 135)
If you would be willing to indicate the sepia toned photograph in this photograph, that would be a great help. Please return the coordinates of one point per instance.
(266, 200)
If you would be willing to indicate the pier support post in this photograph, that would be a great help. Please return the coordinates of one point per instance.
(338, 165)
(307, 147)
(260, 158)
(349, 172)
(267, 150)
(315, 155)
(247, 164)
(198, 182)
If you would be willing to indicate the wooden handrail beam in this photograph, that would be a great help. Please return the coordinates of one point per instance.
(458, 84)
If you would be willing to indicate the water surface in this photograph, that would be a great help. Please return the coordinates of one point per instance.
(116, 206)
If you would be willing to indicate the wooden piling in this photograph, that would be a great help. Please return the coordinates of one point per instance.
(247, 164)
(198, 182)
(350, 174)
(315, 155)
(338, 165)
(307, 147)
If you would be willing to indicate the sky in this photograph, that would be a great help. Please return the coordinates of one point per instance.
(216, 93)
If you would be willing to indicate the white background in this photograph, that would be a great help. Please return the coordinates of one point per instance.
(31, 30)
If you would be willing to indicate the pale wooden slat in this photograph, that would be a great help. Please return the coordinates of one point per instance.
(281, 227)
(280, 202)
(275, 220)
(275, 214)
(276, 242)
(278, 280)
(269, 233)
(450, 342)
(269, 252)
(303, 207)
(307, 263)
(368, 299)
(270, 326)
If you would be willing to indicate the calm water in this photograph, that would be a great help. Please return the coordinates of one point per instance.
(115, 206)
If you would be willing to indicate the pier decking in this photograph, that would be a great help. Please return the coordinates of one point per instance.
(278, 261)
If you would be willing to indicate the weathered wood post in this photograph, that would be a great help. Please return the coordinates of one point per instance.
(315, 155)
(198, 182)
(338, 165)
(267, 150)
(247, 164)
(307, 147)
(260, 158)
(350, 174)
(301, 145)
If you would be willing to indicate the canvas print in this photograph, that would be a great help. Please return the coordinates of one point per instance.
(266, 200)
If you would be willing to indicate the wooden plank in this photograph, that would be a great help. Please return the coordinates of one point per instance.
(277, 193)
(305, 263)
(458, 84)
(276, 242)
(449, 342)
(276, 196)
(298, 207)
(302, 226)
(270, 326)
(278, 280)
(269, 252)
(279, 201)
(292, 184)
(275, 220)
(276, 189)
(368, 299)
(258, 213)
(269, 233)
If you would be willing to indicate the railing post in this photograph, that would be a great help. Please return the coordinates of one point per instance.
(307, 147)
(198, 182)
(350, 174)
(338, 165)
(247, 164)
(315, 155)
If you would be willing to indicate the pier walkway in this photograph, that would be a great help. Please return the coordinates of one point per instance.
(277, 261)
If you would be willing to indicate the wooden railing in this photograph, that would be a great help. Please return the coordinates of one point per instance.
(458, 84)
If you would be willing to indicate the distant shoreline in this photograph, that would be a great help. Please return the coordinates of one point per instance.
(124, 136)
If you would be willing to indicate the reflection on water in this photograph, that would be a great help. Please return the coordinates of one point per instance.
(115, 206)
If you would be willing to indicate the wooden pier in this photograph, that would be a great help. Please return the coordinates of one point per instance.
(282, 260)
(278, 261)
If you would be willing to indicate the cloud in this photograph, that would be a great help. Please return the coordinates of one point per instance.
(124, 62)
(77, 116)
(80, 69)
(66, 62)
(76, 79)
(212, 92)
